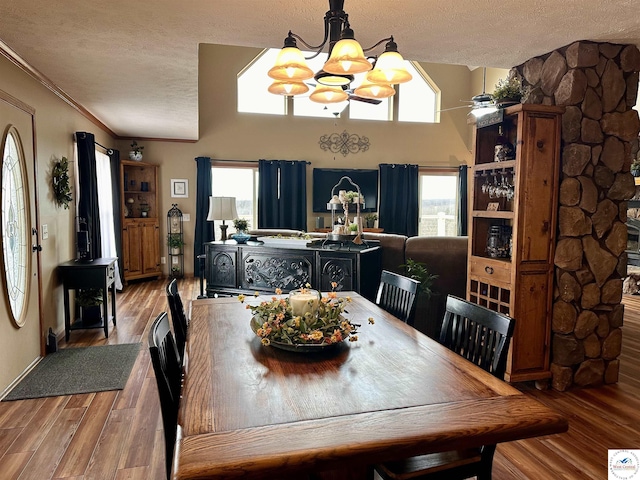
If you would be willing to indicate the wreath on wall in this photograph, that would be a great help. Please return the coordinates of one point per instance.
(60, 181)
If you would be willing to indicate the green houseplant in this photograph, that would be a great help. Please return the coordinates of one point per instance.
(508, 91)
(175, 242)
(418, 271)
(370, 218)
(241, 225)
(89, 300)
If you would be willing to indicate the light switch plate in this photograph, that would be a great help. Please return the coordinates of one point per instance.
(186, 217)
(45, 231)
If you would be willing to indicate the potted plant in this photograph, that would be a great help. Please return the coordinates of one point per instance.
(175, 243)
(175, 271)
(370, 218)
(144, 209)
(507, 92)
(136, 151)
(89, 300)
(241, 225)
(418, 271)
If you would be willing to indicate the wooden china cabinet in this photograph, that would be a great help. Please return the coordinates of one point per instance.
(140, 220)
(512, 228)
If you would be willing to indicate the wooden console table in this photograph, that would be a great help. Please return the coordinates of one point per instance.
(255, 267)
(99, 273)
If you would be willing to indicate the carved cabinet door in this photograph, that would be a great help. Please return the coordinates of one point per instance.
(338, 269)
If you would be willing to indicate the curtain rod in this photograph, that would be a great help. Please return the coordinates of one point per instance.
(108, 150)
(247, 161)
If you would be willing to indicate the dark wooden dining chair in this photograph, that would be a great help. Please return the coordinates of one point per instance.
(178, 317)
(397, 295)
(167, 369)
(481, 336)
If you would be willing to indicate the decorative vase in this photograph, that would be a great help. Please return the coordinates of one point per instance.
(370, 223)
(175, 251)
(241, 237)
(136, 156)
(143, 214)
(304, 300)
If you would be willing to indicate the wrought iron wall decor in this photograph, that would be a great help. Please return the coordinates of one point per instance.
(344, 143)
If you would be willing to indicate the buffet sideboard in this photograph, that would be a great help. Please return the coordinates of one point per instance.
(232, 268)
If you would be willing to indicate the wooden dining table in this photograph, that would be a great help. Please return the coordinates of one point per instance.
(254, 411)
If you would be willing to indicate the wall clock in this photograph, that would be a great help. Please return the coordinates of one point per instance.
(15, 225)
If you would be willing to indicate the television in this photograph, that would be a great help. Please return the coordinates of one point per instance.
(324, 179)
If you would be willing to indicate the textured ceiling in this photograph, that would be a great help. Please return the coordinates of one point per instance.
(133, 65)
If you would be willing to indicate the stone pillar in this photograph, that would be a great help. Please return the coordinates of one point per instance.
(598, 84)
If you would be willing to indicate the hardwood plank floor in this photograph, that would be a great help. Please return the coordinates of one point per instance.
(118, 435)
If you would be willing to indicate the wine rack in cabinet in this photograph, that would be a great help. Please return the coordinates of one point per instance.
(512, 228)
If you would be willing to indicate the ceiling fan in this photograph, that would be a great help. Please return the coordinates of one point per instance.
(483, 100)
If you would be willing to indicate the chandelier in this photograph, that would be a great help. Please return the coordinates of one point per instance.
(346, 59)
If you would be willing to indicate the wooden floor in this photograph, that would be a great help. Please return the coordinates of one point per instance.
(118, 435)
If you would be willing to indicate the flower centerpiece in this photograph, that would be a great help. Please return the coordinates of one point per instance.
(305, 318)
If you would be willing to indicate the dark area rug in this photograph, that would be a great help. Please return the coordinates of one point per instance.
(78, 370)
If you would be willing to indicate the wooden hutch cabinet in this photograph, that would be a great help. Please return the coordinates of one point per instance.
(512, 228)
(140, 220)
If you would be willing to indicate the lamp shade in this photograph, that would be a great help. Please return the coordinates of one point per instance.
(374, 90)
(347, 57)
(389, 67)
(324, 94)
(284, 87)
(290, 65)
(222, 208)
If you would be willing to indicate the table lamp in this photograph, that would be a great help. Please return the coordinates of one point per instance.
(222, 208)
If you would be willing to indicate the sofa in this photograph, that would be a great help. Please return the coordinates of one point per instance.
(445, 257)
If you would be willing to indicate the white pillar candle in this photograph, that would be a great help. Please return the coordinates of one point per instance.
(302, 303)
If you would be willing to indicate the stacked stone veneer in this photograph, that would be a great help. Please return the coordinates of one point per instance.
(598, 84)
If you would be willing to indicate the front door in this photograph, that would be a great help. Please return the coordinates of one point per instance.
(20, 320)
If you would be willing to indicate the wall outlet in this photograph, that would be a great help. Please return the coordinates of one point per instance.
(186, 217)
(45, 231)
(163, 260)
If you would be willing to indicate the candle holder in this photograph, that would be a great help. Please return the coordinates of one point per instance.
(303, 301)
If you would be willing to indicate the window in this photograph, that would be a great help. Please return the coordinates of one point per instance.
(438, 203)
(253, 82)
(418, 99)
(15, 226)
(242, 183)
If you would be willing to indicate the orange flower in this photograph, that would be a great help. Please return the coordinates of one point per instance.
(332, 295)
(371, 320)
(266, 342)
(241, 298)
(334, 284)
(353, 338)
(316, 335)
(278, 291)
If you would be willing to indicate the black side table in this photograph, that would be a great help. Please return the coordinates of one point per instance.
(99, 273)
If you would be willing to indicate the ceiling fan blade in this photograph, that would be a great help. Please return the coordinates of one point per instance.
(373, 101)
(455, 108)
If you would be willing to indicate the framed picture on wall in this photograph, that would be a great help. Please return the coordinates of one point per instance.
(179, 188)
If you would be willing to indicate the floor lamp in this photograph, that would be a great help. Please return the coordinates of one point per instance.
(222, 208)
